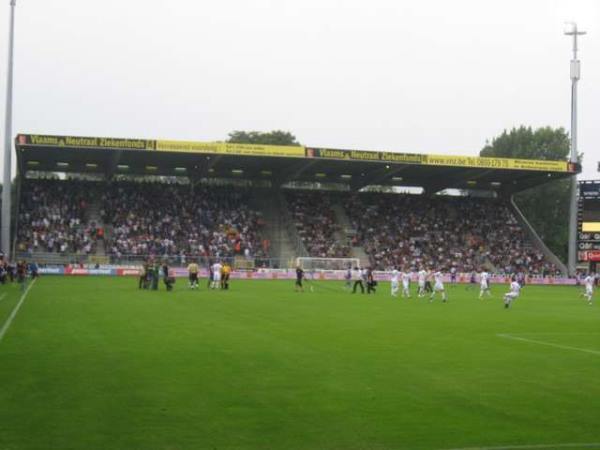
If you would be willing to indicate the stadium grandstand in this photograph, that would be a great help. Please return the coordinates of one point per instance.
(90, 200)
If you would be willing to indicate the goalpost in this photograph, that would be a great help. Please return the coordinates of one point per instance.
(318, 264)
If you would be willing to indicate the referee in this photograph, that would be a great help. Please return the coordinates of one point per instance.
(371, 283)
(299, 278)
(166, 278)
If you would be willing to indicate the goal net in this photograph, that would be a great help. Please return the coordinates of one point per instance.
(316, 264)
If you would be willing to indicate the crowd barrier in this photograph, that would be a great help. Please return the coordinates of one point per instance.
(279, 274)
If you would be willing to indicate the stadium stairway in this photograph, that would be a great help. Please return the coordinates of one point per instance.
(348, 232)
(279, 228)
(535, 238)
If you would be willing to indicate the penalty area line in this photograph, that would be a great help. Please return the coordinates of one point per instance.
(535, 446)
(549, 344)
(14, 312)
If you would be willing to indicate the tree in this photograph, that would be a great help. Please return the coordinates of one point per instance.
(275, 137)
(546, 206)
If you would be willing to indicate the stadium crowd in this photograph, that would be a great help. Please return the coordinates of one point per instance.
(316, 224)
(53, 218)
(158, 218)
(168, 219)
(445, 232)
(145, 218)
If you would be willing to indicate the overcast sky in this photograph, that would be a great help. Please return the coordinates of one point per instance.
(427, 76)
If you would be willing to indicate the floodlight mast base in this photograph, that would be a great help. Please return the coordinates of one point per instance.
(575, 76)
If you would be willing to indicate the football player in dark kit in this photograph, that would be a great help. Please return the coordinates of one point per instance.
(166, 278)
(33, 270)
(10, 269)
(299, 278)
(3, 273)
(472, 281)
(155, 273)
(211, 274)
(142, 283)
(371, 283)
(428, 287)
(21, 273)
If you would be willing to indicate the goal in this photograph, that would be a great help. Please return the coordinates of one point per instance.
(316, 264)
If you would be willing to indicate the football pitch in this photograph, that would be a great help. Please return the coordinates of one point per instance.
(95, 363)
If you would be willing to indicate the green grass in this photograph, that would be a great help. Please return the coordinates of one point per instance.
(93, 363)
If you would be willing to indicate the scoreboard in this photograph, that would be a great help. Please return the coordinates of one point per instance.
(588, 222)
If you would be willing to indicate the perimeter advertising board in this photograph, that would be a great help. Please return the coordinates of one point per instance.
(278, 274)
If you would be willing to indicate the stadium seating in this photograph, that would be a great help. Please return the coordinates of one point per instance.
(158, 218)
(442, 232)
(52, 217)
(167, 219)
(144, 219)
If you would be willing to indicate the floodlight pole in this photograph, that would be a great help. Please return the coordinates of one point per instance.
(6, 184)
(575, 75)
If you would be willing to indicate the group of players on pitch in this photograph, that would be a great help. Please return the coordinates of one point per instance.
(218, 275)
(10, 271)
(429, 283)
(151, 272)
(425, 278)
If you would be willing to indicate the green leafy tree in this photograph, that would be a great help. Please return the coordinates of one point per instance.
(546, 206)
(275, 137)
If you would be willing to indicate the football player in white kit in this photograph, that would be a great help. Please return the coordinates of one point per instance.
(406, 284)
(216, 283)
(589, 288)
(421, 280)
(484, 284)
(395, 283)
(438, 286)
(515, 290)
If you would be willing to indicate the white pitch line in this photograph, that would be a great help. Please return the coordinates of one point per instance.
(549, 344)
(14, 311)
(534, 446)
(2, 296)
(563, 333)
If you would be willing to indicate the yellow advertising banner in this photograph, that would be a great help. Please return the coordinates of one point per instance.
(226, 148)
(495, 163)
(362, 155)
(85, 142)
(441, 160)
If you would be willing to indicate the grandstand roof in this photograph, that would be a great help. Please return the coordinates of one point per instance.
(356, 168)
